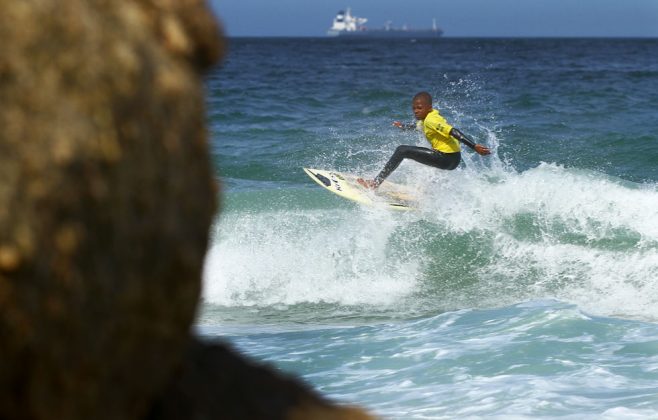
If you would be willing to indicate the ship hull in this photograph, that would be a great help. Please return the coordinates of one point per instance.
(386, 34)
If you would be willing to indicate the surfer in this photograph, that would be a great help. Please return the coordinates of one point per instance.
(444, 139)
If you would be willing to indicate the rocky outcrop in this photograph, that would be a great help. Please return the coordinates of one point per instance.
(106, 198)
(107, 194)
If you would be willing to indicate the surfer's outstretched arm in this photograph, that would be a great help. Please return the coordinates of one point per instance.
(480, 149)
(404, 126)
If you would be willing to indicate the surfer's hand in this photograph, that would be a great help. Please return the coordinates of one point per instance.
(397, 124)
(482, 150)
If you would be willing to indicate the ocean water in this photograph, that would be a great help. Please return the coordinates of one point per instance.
(526, 283)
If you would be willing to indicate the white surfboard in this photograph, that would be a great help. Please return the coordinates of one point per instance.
(388, 194)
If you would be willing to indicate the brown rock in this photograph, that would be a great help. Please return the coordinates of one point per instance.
(107, 195)
(106, 199)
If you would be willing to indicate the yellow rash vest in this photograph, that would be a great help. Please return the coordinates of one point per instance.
(437, 132)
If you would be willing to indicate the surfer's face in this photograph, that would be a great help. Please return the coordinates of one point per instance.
(421, 108)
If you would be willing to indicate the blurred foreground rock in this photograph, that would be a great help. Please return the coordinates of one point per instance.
(106, 198)
(107, 195)
(215, 383)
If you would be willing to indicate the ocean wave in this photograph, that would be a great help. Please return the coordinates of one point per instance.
(481, 239)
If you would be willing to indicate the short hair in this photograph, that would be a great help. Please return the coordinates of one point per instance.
(424, 96)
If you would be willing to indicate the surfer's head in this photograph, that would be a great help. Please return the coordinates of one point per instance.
(421, 105)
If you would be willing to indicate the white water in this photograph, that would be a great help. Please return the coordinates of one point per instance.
(573, 235)
(311, 256)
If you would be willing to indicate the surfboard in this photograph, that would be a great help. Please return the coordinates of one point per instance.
(388, 194)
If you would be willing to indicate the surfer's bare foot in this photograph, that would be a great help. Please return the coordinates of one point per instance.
(367, 183)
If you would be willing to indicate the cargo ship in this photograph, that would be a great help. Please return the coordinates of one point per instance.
(347, 26)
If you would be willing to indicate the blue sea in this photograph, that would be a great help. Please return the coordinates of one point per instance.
(524, 286)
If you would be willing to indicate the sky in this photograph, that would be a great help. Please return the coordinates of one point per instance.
(458, 18)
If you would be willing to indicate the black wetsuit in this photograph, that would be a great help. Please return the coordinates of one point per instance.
(422, 155)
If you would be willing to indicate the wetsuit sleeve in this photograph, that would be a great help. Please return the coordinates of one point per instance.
(462, 138)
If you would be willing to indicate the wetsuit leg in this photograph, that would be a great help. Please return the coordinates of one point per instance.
(422, 155)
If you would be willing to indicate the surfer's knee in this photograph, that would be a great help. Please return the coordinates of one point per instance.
(403, 150)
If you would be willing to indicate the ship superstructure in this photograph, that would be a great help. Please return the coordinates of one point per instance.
(345, 22)
(347, 25)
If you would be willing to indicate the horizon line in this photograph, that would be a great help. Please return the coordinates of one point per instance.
(455, 37)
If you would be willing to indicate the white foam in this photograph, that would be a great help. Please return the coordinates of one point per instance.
(550, 231)
(573, 251)
(311, 256)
